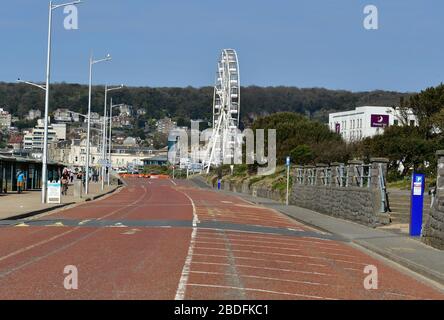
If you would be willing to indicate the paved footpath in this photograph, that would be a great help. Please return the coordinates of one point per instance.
(163, 239)
(29, 202)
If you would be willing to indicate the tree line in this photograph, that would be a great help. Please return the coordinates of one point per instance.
(408, 148)
(188, 103)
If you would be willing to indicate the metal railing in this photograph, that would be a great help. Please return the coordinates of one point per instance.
(353, 175)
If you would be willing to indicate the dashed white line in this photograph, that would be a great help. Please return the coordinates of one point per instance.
(263, 268)
(262, 278)
(283, 254)
(234, 242)
(258, 259)
(260, 290)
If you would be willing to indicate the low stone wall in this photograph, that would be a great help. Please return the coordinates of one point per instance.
(257, 191)
(433, 231)
(360, 205)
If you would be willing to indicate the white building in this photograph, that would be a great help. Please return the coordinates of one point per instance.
(165, 125)
(5, 119)
(77, 156)
(34, 114)
(62, 115)
(33, 140)
(126, 110)
(366, 121)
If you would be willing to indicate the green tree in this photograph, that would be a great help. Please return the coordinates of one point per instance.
(302, 154)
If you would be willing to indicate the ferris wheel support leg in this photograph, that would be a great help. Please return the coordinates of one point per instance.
(214, 141)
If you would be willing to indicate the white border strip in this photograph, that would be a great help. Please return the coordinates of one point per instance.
(180, 293)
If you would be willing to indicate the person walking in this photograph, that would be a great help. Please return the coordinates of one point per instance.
(65, 181)
(20, 181)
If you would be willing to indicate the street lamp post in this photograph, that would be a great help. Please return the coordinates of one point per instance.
(110, 141)
(46, 88)
(104, 134)
(91, 63)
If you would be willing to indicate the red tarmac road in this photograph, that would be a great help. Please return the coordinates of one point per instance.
(162, 239)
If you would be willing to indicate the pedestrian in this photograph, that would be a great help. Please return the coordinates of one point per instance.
(20, 181)
(65, 181)
(71, 176)
(83, 177)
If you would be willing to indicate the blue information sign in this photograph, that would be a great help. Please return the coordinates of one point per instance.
(417, 204)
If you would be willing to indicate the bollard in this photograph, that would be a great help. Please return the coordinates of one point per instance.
(78, 186)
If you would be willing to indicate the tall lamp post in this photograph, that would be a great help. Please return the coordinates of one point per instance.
(104, 133)
(52, 7)
(91, 63)
(110, 143)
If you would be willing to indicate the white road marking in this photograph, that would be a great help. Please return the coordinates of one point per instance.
(36, 244)
(21, 225)
(56, 224)
(282, 254)
(262, 278)
(118, 225)
(173, 182)
(180, 293)
(81, 223)
(233, 241)
(254, 235)
(277, 248)
(259, 290)
(264, 268)
(258, 259)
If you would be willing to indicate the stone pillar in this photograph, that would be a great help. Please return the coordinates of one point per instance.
(320, 174)
(380, 200)
(353, 175)
(375, 162)
(433, 232)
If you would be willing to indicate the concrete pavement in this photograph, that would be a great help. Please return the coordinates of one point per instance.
(28, 203)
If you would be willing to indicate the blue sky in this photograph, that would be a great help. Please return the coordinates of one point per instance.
(304, 43)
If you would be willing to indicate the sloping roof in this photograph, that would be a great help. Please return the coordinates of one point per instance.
(15, 139)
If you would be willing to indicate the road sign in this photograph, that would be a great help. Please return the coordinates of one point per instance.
(104, 163)
(54, 193)
(288, 162)
(417, 204)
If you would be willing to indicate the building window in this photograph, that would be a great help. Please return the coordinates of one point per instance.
(396, 122)
(412, 123)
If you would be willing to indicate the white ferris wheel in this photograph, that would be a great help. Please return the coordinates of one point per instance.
(226, 112)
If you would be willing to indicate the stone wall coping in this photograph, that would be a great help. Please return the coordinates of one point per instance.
(309, 167)
(334, 187)
(322, 165)
(355, 162)
(440, 153)
(382, 160)
(336, 164)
